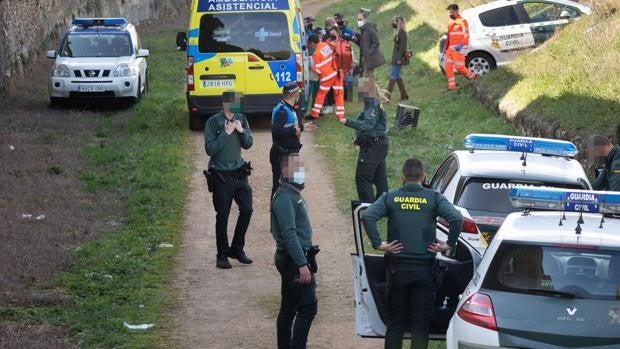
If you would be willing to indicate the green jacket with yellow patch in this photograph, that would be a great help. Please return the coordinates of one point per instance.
(412, 212)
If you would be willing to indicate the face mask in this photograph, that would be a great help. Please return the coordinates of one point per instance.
(235, 107)
(394, 25)
(299, 177)
(340, 24)
(453, 16)
(309, 27)
(333, 37)
(360, 23)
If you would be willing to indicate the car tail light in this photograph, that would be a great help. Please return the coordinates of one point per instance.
(478, 310)
(469, 226)
(190, 73)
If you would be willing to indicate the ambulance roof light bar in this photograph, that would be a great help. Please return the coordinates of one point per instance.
(555, 199)
(101, 22)
(525, 145)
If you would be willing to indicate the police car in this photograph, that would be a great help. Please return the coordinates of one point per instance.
(501, 30)
(99, 57)
(478, 180)
(369, 282)
(548, 279)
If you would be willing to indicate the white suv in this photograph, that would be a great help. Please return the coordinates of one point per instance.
(99, 57)
(500, 30)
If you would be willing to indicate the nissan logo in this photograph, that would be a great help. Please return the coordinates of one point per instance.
(92, 73)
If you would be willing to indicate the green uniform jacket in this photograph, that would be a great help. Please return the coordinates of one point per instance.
(225, 149)
(290, 223)
(609, 179)
(371, 122)
(412, 213)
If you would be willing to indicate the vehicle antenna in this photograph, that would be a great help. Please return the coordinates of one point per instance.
(578, 229)
(524, 158)
(560, 223)
(580, 220)
(600, 226)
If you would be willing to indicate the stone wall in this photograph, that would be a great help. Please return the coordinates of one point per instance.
(30, 27)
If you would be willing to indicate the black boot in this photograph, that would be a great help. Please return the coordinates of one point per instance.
(242, 258)
(223, 263)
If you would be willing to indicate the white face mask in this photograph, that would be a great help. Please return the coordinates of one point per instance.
(360, 23)
(299, 177)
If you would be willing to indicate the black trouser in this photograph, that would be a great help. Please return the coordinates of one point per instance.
(410, 295)
(275, 157)
(298, 307)
(371, 169)
(234, 187)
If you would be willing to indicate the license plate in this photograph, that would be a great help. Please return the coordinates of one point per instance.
(91, 88)
(218, 83)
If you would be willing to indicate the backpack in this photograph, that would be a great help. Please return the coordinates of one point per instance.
(343, 55)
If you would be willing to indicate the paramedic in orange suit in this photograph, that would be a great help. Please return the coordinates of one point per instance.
(330, 77)
(456, 45)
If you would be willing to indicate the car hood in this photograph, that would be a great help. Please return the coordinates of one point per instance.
(93, 62)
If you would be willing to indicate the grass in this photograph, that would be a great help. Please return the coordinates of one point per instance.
(571, 80)
(124, 275)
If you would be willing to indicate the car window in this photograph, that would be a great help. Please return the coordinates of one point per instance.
(265, 34)
(444, 174)
(542, 11)
(96, 45)
(492, 195)
(499, 17)
(584, 272)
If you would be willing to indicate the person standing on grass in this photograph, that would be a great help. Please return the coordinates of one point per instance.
(410, 252)
(371, 137)
(313, 87)
(456, 46)
(399, 59)
(370, 52)
(226, 133)
(294, 256)
(609, 178)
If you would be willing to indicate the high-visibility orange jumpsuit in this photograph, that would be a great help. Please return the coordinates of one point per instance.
(329, 77)
(456, 45)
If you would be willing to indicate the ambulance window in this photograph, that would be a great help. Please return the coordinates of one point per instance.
(265, 34)
(499, 17)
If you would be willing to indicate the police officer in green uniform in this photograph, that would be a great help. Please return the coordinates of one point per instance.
(226, 133)
(370, 130)
(294, 257)
(410, 251)
(609, 178)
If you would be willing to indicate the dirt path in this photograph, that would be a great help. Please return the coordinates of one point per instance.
(237, 308)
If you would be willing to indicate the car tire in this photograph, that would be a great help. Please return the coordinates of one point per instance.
(138, 95)
(196, 122)
(56, 102)
(480, 62)
(146, 83)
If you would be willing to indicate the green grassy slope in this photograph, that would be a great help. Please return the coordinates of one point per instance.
(573, 80)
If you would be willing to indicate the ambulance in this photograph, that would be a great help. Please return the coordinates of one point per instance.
(253, 47)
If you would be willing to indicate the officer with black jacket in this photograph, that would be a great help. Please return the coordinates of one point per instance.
(410, 251)
(294, 257)
(286, 129)
(371, 128)
(226, 133)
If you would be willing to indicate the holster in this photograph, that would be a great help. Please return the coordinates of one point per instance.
(246, 169)
(440, 269)
(210, 176)
(311, 258)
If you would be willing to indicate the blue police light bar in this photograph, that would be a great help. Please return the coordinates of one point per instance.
(556, 199)
(105, 22)
(520, 144)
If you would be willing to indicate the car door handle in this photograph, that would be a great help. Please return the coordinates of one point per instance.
(255, 67)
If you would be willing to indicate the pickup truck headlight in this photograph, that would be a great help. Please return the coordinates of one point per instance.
(124, 70)
(60, 71)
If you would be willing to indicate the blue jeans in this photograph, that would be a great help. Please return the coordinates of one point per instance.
(395, 71)
(298, 307)
(410, 296)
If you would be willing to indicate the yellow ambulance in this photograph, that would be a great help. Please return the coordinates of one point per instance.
(253, 47)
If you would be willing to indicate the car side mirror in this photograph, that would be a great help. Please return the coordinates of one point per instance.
(143, 53)
(51, 54)
(181, 41)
